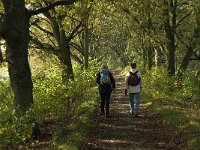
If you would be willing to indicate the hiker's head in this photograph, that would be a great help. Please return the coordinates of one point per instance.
(133, 65)
(104, 66)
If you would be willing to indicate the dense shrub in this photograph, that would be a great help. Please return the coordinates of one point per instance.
(176, 99)
(53, 101)
(14, 130)
(160, 84)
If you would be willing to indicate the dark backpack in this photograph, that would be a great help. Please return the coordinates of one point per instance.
(105, 78)
(133, 79)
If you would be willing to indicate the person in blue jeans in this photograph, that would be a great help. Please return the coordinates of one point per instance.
(133, 87)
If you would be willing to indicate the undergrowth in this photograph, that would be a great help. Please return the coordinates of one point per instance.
(61, 110)
(177, 101)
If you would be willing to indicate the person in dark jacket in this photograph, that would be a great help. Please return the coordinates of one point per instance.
(105, 90)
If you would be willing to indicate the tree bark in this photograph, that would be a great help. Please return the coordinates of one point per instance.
(85, 37)
(14, 28)
(144, 57)
(15, 31)
(1, 56)
(63, 51)
(86, 43)
(170, 34)
(149, 57)
(186, 59)
(64, 57)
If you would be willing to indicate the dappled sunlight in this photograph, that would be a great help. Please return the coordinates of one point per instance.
(117, 141)
(121, 130)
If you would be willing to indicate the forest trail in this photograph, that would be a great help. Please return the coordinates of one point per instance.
(122, 131)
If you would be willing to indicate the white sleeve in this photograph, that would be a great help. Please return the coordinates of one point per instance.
(139, 74)
(126, 81)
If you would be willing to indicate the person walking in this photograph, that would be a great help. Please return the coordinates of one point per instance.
(106, 83)
(133, 85)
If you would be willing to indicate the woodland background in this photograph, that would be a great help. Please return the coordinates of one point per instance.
(51, 51)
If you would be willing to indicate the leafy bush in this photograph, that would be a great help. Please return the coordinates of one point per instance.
(61, 104)
(177, 101)
(14, 130)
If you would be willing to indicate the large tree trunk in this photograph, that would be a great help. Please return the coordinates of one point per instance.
(15, 31)
(63, 52)
(170, 34)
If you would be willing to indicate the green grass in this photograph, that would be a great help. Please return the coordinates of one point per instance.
(181, 117)
(176, 99)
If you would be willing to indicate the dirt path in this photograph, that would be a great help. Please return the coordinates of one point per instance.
(122, 131)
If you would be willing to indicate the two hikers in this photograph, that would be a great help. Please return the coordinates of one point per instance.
(133, 87)
(106, 83)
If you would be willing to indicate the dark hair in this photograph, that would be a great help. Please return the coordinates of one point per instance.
(133, 65)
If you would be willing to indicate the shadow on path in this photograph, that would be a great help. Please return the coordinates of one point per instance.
(122, 131)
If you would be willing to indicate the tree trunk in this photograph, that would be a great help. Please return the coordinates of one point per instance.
(197, 31)
(64, 57)
(170, 35)
(63, 52)
(1, 56)
(144, 57)
(86, 43)
(15, 31)
(186, 59)
(149, 57)
(144, 53)
(84, 17)
(158, 57)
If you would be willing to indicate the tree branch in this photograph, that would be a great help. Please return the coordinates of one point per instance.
(126, 10)
(76, 58)
(51, 6)
(77, 47)
(72, 35)
(183, 19)
(43, 30)
(43, 46)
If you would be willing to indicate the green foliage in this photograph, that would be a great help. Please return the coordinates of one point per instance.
(14, 130)
(177, 101)
(67, 106)
(190, 90)
(159, 80)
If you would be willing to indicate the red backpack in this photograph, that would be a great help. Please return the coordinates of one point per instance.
(133, 79)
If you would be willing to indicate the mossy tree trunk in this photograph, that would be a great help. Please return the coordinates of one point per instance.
(15, 31)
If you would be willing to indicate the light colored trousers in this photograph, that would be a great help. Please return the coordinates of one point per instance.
(134, 102)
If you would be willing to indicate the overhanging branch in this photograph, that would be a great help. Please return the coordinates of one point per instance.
(72, 35)
(51, 6)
